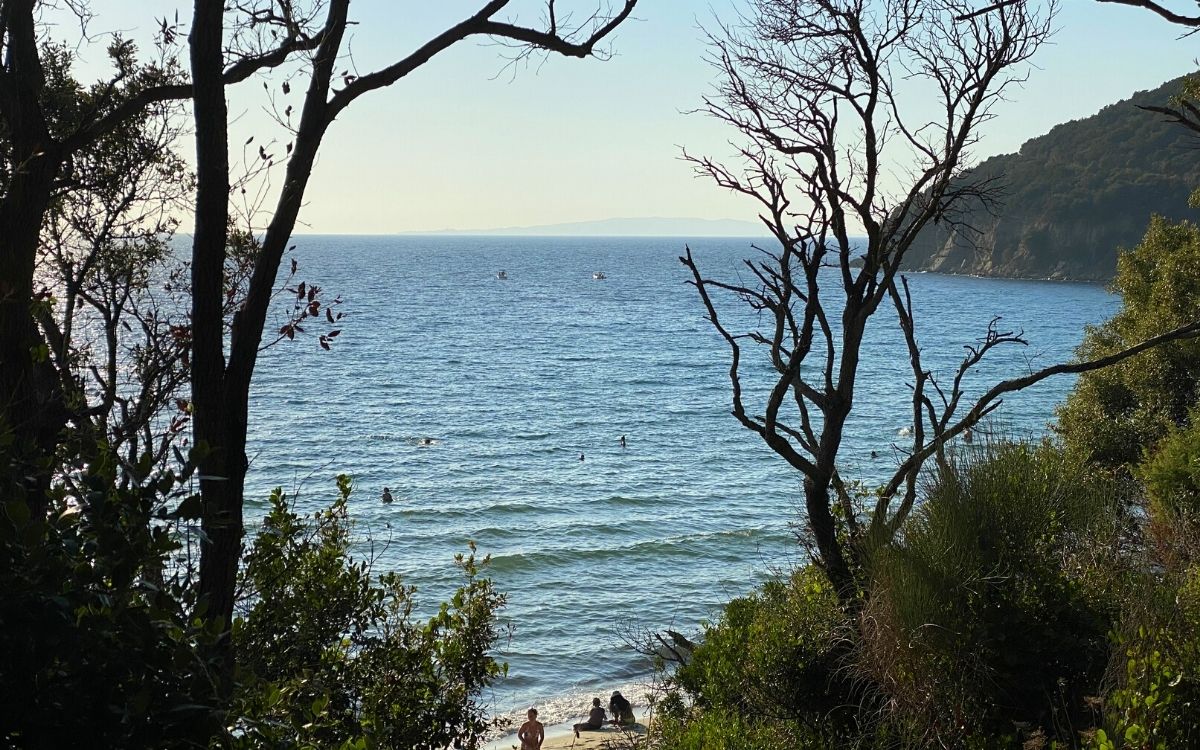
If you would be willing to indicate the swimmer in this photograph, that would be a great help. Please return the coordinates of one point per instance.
(874, 454)
(581, 458)
(622, 441)
(387, 496)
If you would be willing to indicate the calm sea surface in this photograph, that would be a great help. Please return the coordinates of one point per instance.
(515, 379)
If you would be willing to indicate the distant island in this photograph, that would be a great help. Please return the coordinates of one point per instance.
(1072, 197)
(652, 226)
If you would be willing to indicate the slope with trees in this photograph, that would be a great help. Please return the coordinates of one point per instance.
(1068, 200)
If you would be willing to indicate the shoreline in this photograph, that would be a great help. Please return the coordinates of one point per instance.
(560, 736)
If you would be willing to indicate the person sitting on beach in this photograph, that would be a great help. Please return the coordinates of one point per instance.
(532, 733)
(621, 710)
(596, 719)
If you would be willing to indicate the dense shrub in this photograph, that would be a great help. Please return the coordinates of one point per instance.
(1114, 413)
(767, 673)
(329, 655)
(1153, 692)
(97, 648)
(981, 615)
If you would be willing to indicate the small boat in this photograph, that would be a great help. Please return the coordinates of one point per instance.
(502, 275)
(599, 276)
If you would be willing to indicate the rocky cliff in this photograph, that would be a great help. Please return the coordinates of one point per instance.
(1071, 198)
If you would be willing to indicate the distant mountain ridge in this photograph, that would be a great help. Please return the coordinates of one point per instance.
(655, 226)
(1072, 197)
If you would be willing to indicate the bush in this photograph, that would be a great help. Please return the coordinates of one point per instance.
(1116, 413)
(767, 673)
(97, 648)
(1153, 700)
(982, 614)
(329, 654)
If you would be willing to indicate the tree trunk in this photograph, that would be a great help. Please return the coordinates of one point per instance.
(220, 454)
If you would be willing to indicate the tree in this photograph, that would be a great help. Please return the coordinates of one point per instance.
(37, 160)
(817, 90)
(114, 330)
(1113, 416)
(220, 379)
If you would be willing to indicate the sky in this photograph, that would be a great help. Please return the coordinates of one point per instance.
(470, 142)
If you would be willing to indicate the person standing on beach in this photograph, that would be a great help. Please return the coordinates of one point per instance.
(532, 733)
(596, 719)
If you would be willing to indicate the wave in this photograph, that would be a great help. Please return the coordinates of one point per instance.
(685, 545)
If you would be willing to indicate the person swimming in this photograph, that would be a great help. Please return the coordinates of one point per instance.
(581, 457)
(387, 496)
(622, 441)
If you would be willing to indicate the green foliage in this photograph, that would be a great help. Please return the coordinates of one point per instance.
(329, 655)
(981, 615)
(1115, 414)
(1155, 670)
(1171, 473)
(96, 646)
(772, 658)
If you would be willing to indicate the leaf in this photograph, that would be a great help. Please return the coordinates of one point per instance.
(191, 508)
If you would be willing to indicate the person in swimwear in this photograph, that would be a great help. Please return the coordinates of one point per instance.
(532, 733)
(596, 719)
(387, 495)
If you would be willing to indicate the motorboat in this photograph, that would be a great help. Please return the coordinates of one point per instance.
(599, 276)
(502, 275)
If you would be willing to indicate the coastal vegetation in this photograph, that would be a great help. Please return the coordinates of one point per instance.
(133, 614)
(994, 593)
(990, 594)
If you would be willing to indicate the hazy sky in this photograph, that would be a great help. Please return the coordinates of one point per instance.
(466, 143)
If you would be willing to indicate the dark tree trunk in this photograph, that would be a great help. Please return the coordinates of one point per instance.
(31, 402)
(216, 430)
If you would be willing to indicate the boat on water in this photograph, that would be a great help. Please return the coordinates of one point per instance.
(502, 274)
(599, 276)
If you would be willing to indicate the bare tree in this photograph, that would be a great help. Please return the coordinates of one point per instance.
(822, 93)
(220, 378)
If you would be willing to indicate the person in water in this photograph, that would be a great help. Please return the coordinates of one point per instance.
(580, 456)
(621, 710)
(532, 733)
(596, 719)
(387, 496)
(622, 441)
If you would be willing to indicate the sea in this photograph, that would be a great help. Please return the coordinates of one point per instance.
(493, 409)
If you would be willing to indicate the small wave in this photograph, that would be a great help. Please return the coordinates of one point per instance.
(531, 436)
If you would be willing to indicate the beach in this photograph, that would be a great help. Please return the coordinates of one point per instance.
(560, 737)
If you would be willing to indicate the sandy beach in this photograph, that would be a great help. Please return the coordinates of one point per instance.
(560, 737)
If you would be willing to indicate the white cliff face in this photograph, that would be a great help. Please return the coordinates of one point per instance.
(1029, 247)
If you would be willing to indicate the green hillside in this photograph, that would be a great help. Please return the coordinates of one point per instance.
(1072, 197)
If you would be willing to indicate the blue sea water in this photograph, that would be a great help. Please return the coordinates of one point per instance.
(516, 379)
